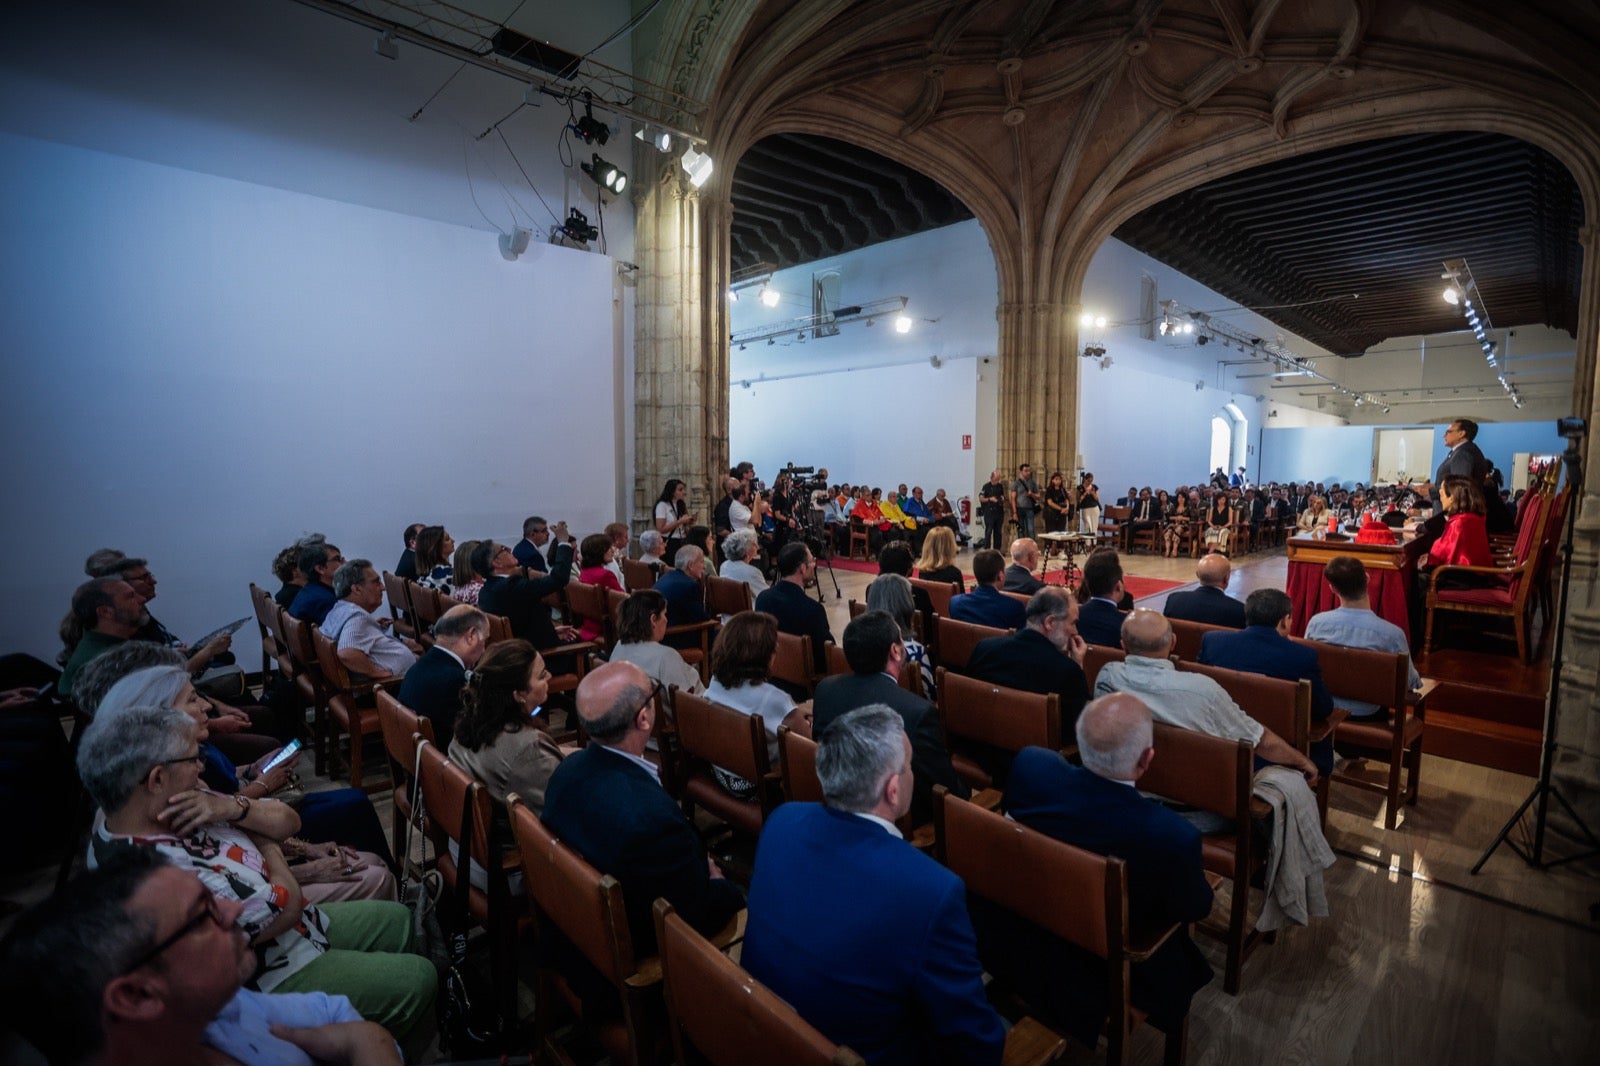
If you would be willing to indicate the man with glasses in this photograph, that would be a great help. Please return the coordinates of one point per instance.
(1463, 460)
(137, 962)
(533, 550)
(366, 648)
(318, 562)
(506, 591)
(796, 612)
(107, 612)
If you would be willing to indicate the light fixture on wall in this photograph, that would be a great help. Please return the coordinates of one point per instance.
(1469, 298)
(697, 165)
(577, 228)
(769, 296)
(658, 138)
(1093, 351)
(902, 323)
(1090, 319)
(514, 244)
(825, 323)
(606, 175)
(385, 45)
(589, 129)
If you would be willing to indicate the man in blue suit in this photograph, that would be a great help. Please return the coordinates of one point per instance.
(1100, 618)
(686, 597)
(866, 937)
(432, 687)
(986, 605)
(1264, 647)
(1098, 807)
(1209, 604)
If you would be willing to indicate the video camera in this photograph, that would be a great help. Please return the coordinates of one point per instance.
(802, 479)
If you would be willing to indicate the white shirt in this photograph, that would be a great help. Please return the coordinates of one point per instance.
(739, 517)
(893, 829)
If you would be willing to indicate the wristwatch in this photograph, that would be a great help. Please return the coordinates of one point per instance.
(244, 806)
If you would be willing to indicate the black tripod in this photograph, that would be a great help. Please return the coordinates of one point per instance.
(1545, 789)
(821, 545)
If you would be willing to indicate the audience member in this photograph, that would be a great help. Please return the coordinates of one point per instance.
(138, 963)
(653, 551)
(1264, 647)
(737, 552)
(741, 675)
(1464, 540)
(606, 803)
(986, 604)
(501, 738)
(286, 568)
(595, 553)
(873, 648)
(1098, 807)
(893, 594)
(1044, 656)
(685, 595)
(701, 537)
(406, 568)
(1024, 561)
(318, 562)
(521, 599)
(108, 562)
(1210, 603)
(938, 560)
(640, 629)
(672, 517)
(895, 558)
(366, 648)
(107, 612)
(796, 612)
(432, 687)
(867, 938)
(1100, 619)
(464, 581)
(1354, 625)
(435, 567)
(533, 550)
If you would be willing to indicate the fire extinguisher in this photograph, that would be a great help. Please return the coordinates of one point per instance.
(964, 505)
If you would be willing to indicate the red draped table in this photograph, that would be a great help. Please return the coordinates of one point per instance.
(1391, 573)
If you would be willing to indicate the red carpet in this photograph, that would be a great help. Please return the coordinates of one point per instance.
(1138, 587)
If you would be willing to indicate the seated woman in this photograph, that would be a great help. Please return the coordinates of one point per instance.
(738, 555)
(465, 582)
(652, 547)
(1315, 516)
(142, 764)
(741, 672)
(338, 816)
(435, 567)
(1463, 539)
(892, 593)
(642, 625)
(594, 553)
(1178, 517)
(938, 561)
(704, 538)
(286, 568)
(1219, 522)
(501, 738)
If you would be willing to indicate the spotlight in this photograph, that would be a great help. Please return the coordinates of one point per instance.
(733, 296)
(606, 175)
(660, 139)
(902, 323)
(769, 296)
(1188, 327)
(591, 130)
(1452, 295)
(697, 165)
(385, 45)
(1202, 339)
(1099, 321)
(577, 227)
(1165, 327)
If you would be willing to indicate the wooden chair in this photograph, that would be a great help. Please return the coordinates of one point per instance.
(940, 593)
(462, 811)
(709, 734)
(797, 767)
(637, 576)
(1189, 635)
(1383, 678)
(399, 724)
(588, 604)
(1215, 775)
(1150, 538)
(910, 675)
(725, 596)
(725, 1016)
(1073, 894)
(266, 612)
(957, 639)
(978, 718)
(399, 605)
(859, 538)
(1113, 529)
(308, 681)
(427, 605)
(569, 895)
(1096, 656)
(347, 705)
(1507, 598)
(858, 608)
(500, 629)
(794, 663)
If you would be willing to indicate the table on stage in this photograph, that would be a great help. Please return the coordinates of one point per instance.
(1391, 573)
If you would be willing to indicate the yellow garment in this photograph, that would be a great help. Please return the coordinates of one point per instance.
(891, 512)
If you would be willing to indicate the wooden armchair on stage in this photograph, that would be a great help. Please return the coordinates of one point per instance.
(1503, 591)
(1113, 531)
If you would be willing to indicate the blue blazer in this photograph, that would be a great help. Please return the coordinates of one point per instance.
(1026, 660)
(1101, 623)
(988, 606)
(800, 615)
(610, 810)
(1166, 884)
(1208, 605)
(432, 688)
(1263, 650)
(686, 604)
(869, 940)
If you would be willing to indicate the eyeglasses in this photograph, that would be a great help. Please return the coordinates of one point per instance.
(501, 550)
(196, 758)
(209, 912)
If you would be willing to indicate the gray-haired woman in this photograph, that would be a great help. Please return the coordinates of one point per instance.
(738, 549)
(892, 593)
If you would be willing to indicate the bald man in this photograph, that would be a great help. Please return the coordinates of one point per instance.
(606, 803)
(1024, 561)
(1210, 603)
(1098, 807)
(1192, 701)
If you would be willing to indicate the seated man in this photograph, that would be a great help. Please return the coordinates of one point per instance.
(366, 647)
(1044, 656)
(1354, 625)
(873, 648)
(1264, 647)
(406, 568)
(432, 687)
(508, 593)
(685, 595)
(318, 562)
(606, 803)
(108, 562)
(986, 605)
(836, 524)
(1098, 807)
(866, 937)
(137, 962)
(107, 612)
(1191, 701)
(532, 550)
(1210, 603)
(1024, 560)
(796, 612)
(1100, 618)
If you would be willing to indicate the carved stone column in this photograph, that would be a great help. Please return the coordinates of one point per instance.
(1038, 384)
(680, 343)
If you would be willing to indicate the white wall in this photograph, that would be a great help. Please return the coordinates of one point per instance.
(199, 370)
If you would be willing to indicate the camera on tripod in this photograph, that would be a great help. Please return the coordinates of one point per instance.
(804, 479)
